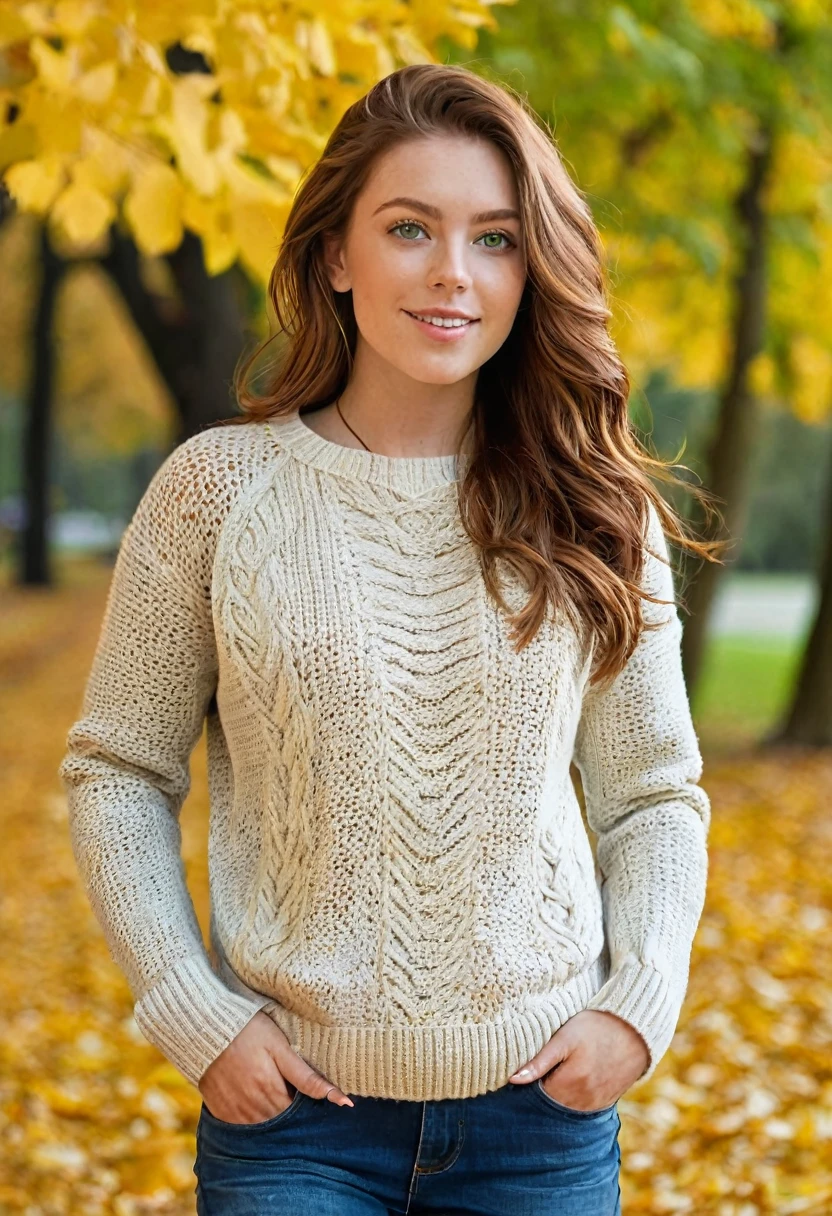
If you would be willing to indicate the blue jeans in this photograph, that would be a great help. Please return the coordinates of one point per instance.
(511, 1152)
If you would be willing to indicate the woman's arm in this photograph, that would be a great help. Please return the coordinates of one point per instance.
(126, 769)
(639, 760)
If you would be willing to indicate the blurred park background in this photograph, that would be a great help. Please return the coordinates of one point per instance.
(149, 156)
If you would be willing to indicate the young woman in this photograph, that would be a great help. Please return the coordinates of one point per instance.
(420, 574)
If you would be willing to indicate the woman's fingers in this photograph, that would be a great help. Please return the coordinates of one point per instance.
(552, 1054)
(294, 1069)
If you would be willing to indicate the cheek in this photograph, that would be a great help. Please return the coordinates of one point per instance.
(500, 297)
(380, 289)
(377, 318)
(504, 288)
(499, 277)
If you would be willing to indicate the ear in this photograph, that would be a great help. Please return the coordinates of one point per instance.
(333, 260)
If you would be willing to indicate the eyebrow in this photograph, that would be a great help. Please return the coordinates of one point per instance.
(482, 217)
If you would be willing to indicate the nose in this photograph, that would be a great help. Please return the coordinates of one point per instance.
(449, 266)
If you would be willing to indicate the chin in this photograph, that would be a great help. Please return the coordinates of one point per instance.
(437, 375)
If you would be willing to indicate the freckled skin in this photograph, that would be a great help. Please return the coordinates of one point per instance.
(410, 394)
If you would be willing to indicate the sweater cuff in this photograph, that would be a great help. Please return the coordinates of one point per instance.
(191, 1016)
(644, 997)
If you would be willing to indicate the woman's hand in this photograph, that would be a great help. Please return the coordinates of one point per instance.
(256, 1076)
(596, 1057)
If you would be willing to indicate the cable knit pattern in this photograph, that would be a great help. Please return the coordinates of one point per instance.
(400, 874)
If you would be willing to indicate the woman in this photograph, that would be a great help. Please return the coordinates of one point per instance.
(422, 572)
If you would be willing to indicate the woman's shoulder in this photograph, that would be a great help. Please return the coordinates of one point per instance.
(195, 487)
(231, 448)
(216, 463)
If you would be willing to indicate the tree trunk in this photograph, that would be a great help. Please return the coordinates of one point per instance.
(808, 721)
(216, 330)
(37, 426)
(727, 460)
(195, 341)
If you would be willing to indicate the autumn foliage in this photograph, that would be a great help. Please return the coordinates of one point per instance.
(198, 115)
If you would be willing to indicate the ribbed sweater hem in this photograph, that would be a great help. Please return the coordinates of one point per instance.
(191, 1014)
(427, 1063)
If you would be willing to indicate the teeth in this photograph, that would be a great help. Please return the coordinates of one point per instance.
(442, 322)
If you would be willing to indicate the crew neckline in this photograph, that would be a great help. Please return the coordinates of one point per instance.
(408, 473)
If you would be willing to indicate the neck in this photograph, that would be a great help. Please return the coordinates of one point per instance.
(391, 432)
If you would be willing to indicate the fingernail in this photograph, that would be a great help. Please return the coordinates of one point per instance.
(522, 1072)
(346, 1102)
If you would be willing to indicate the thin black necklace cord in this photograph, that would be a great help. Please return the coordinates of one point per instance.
(347, 425)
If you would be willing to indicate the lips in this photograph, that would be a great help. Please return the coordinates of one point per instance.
(442, 335)
(441, 321)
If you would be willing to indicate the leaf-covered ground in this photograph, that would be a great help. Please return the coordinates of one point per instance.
(737, 1120)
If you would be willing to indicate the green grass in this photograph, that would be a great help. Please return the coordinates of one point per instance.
(745, 686)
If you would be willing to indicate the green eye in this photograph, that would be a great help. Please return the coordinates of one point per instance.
(406, 224)
(493, 238)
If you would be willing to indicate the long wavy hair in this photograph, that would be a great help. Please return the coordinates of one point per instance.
(558, 483)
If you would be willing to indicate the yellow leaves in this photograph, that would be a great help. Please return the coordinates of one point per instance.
(83, 73)
(153, 208)
(17, 143)
(408, 46)
(762, 374)
(51, 1157)
(364, 54)
(98, 83)
(56, 69)
(742, 1108)
(14, 29)
(741, 19)
(314, 40)
(811, 365)
(73, 17)
(285, 169)
(35, 184)
(249, 185)
(244, 217)
(215, 228)
(68, 1097)
(83, 213)
(105, 166)
(16, 66)
(257, 229)
(186, 129)
(233, 136)
(82, 208)
(811, 12)
(61, 116)
(237, 228)
(92, 1118)
(803, 169)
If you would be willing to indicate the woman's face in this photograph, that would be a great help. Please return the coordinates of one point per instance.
(436, 229)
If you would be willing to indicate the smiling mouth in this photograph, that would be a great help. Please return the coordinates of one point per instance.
(443, 322)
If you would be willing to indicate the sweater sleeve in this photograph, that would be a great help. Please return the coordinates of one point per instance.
(639, 760)
(126, 770)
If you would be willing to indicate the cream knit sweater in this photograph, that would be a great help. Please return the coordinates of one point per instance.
(400, 876)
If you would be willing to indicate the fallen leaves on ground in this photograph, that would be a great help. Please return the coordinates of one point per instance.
(737, 1120)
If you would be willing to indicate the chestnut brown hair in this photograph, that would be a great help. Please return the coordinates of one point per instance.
(558, 485)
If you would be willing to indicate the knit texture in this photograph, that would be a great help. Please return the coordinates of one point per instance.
(400, 875)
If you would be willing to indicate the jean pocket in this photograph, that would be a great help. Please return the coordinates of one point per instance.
(263, 1125)
(539, 1091)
